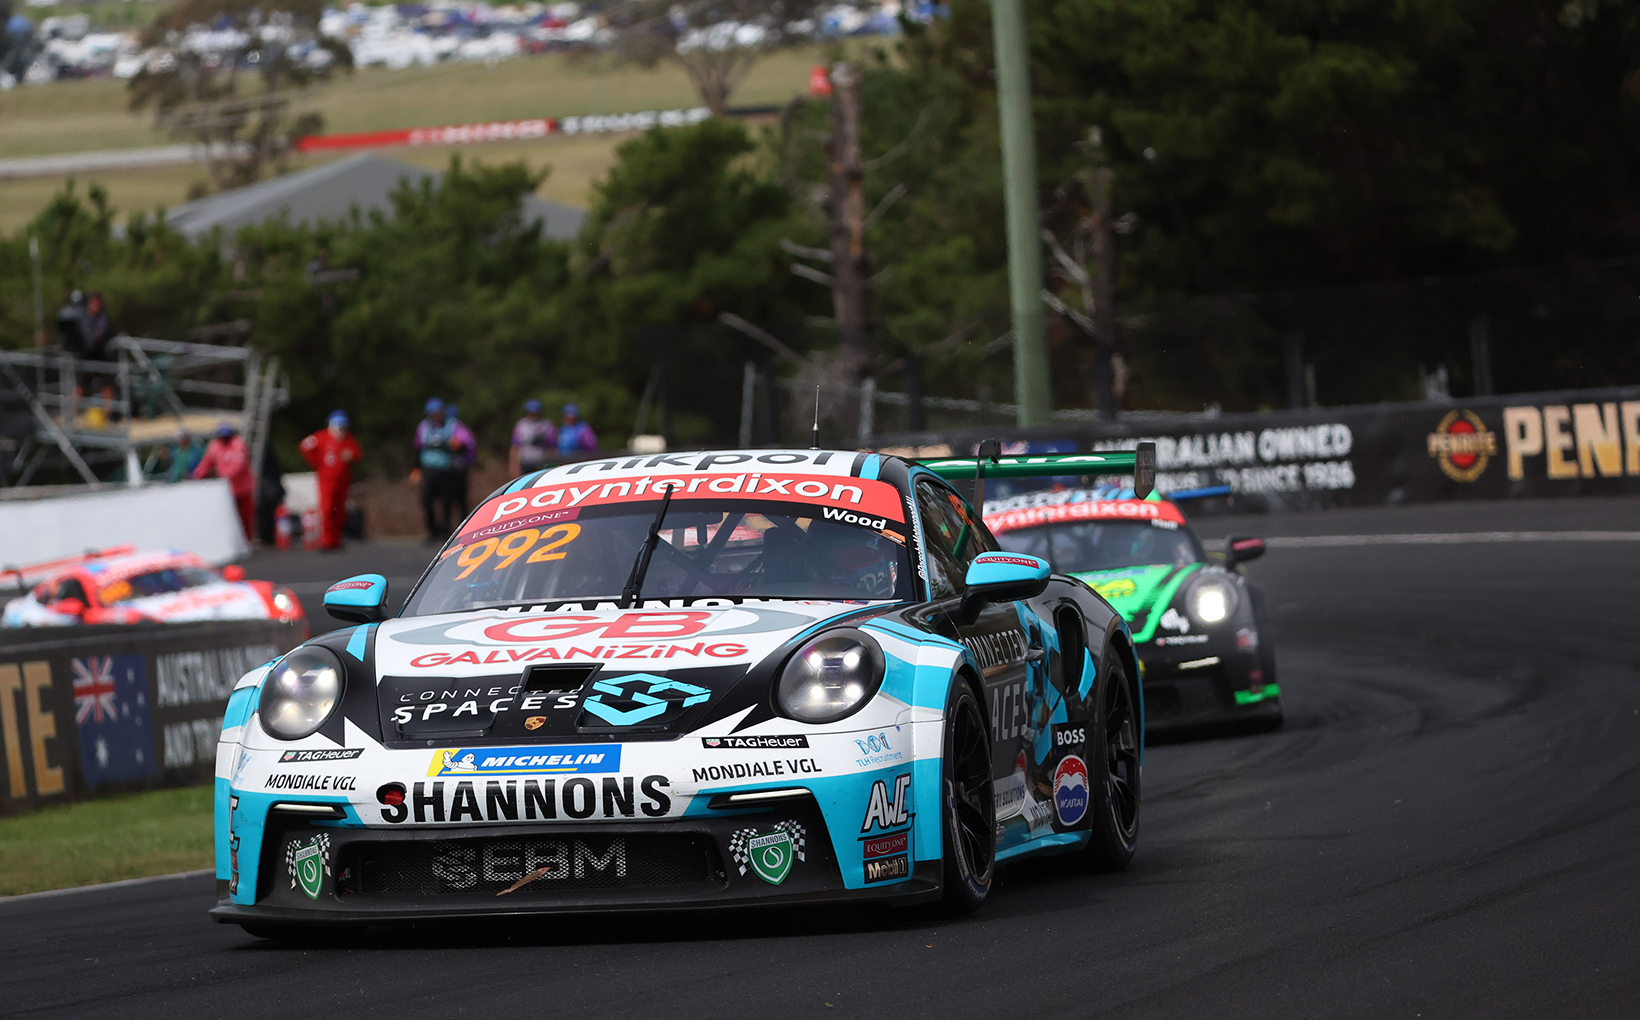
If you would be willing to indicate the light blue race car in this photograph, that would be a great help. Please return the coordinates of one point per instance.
(688, 680)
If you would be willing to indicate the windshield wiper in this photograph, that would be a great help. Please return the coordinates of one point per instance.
(640, 567)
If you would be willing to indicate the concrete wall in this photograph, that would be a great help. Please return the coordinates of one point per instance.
(197, 516)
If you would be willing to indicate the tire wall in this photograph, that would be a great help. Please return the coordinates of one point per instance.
(1567, 443)
(89, 711)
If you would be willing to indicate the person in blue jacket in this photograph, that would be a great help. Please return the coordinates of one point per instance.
(574, 435)
(441, 458)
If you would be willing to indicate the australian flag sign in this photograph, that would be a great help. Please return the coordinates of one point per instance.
(111, 711)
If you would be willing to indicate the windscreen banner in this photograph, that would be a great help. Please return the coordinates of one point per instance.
(87, 711)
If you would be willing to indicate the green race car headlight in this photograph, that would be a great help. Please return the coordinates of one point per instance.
(301, 692)
(1211, 600)
(830, 677)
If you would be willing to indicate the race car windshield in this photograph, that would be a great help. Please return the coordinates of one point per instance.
(1082, 546)
(157, 582)
(707, 548)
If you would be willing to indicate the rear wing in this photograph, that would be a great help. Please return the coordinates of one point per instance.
(1141, 463)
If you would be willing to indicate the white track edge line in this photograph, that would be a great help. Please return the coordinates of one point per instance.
(45, 893)
(1450, 538)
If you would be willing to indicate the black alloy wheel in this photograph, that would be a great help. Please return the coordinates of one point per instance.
(970, 803)
(1116, 744)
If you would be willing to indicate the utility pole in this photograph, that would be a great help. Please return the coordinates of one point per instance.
(1104, 291)
(848, 225)
(1032, 390)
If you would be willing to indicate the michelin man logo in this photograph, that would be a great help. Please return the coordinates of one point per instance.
(648, 704)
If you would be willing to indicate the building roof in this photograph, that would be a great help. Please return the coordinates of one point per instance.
(330, 191)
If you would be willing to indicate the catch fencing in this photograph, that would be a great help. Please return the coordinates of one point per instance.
(88, 711)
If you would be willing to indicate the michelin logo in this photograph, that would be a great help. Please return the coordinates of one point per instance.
(514, 761)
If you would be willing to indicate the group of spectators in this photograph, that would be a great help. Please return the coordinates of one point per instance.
(446, 451)
(537, 442)
(331, 452)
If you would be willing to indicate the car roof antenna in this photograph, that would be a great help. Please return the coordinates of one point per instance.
(814, 437)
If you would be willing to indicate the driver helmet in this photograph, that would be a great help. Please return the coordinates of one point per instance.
(836, 554)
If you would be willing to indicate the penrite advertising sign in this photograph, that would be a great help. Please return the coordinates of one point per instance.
(1568, 443)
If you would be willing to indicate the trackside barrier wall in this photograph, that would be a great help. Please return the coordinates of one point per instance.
(88, 711)
(197, 516)
(1566, 443)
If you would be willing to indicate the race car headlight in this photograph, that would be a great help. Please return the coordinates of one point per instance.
(284, 601)
(301, 692)
(1212, 600)
(831, 676)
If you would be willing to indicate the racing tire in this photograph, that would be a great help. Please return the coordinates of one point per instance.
(1113, 778)
(1272, 718)
(968, 801)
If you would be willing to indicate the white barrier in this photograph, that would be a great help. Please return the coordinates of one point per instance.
(197, 516)
(301, 491)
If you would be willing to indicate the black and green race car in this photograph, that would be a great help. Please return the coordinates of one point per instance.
(1198, 624)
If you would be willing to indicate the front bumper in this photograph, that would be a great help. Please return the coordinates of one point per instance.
(1205, 684)
(370, 875)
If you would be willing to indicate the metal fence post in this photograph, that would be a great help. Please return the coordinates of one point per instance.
(1480, 354)
(748, 403)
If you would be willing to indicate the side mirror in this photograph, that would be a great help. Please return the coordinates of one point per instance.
(233, 572)
(358, 599)
(1241, 549)
(68, 607)
(1003, 577)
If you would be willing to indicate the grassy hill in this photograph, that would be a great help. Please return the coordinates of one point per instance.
(83, 116)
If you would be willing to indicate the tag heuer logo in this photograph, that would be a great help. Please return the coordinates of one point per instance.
(323, 754)
(308, 863)
(753, 743)
(768, 854)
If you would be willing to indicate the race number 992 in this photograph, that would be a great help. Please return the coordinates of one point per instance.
(508, 549)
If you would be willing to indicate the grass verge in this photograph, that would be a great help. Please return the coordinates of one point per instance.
(575, 162)
(80, 116)
(135, 835)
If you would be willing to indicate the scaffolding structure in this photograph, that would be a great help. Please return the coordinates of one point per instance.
(109, 420)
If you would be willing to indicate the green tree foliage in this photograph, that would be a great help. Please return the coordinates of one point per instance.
(1296, 143)
(1263, 146)
(1259, 148)
(153, 279)
(685, 226)
(454, 297)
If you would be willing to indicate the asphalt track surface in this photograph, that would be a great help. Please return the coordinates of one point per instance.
(1446, 827)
